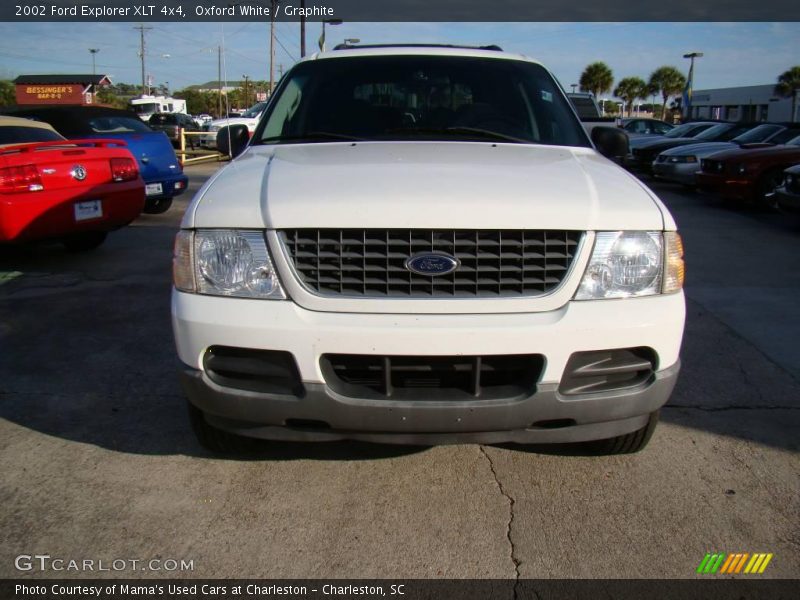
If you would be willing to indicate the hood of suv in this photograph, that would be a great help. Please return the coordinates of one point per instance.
(447, 185)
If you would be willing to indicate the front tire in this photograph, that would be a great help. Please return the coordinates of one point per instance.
(216, 440)
(157, 207)
(625, 444)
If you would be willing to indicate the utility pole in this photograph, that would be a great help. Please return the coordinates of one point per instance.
(142, 29)
(94, 51)
(272, 15)
(246, 77)
(219, 81)
(302, 29)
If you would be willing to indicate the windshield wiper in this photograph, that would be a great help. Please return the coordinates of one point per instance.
(311, 135)
(486, 133)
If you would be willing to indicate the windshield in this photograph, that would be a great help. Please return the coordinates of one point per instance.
(420, 98)
(254, 111)
(759, 134)
(21, 135)
(143, 109)
(679, 131)
(712, 133)
(784, 137)
(115, 124)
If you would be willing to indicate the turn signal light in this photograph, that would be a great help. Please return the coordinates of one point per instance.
(123, 169)
(674, 267)
(20, 179)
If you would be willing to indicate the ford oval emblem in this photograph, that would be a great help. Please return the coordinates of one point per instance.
(432, 265)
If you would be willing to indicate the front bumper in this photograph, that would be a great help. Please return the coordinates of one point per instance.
(788, 201)
(200, 322)
(530, 420)
(678, 172)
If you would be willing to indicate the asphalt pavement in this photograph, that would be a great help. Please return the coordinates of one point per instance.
(98, 461)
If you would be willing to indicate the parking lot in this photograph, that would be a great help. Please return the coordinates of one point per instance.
(98, 460)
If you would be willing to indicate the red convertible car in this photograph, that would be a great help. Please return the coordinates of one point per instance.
(749, 173)
(73, 191)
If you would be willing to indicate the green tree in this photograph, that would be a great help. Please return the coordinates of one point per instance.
(788, 86)
(630, 89)
(7, 95)
(596, 78)
(108, 96)
(668, 81)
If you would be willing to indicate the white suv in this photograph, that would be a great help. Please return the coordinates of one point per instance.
(422, 245)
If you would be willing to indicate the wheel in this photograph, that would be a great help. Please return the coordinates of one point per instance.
(625, 444)
(82, 242)
(216, 440)
(766, 186)
(157, 207)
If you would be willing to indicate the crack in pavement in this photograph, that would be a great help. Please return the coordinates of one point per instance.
(511, 503)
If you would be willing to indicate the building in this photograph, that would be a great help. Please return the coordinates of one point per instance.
(58, 89)
(747, 103)
(215, 86)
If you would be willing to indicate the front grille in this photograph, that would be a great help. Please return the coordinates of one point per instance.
(431, 378)
(709, 165)
(372, 262)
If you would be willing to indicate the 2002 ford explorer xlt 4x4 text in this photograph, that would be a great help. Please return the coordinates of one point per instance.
(422, 245)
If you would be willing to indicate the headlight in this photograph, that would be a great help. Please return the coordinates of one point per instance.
(632, 263)
(740, 169)
(683, 159)
(225, 262)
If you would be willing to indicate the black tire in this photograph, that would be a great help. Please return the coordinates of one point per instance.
(83, 242)
(765, 189)
(216, 440)
(625, 444)
(157, 207)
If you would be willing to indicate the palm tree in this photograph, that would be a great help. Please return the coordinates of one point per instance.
(788, 85)
(669, 81)
(629, 89)
(596, 78)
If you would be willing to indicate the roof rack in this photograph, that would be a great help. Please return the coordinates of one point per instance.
(493, 47)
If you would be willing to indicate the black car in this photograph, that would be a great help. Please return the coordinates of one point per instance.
(788, 194)
(642, 126)
(171, 124)
(722, 132)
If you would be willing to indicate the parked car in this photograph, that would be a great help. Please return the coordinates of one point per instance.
(159, 167)
(588, 111)
(171, 124)
(751, 174)
(202, 120)
(637, 159)
(638, 126)
(423, 245)
(645, 156)
(249, 118)
(788, 194)
(681, 164)
(73, 191)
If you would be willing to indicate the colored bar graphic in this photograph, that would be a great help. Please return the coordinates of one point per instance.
(723, 563)
(740, 564)
(765, 563)
(703, 563)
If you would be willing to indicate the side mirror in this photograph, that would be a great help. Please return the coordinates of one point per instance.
(232, 140)
(611, 142)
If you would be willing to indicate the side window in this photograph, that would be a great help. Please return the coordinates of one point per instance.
(286, 109)
(661, 128)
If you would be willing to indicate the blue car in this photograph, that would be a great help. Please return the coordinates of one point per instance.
(162, 172)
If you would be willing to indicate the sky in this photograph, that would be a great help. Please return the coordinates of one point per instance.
(182, 54)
